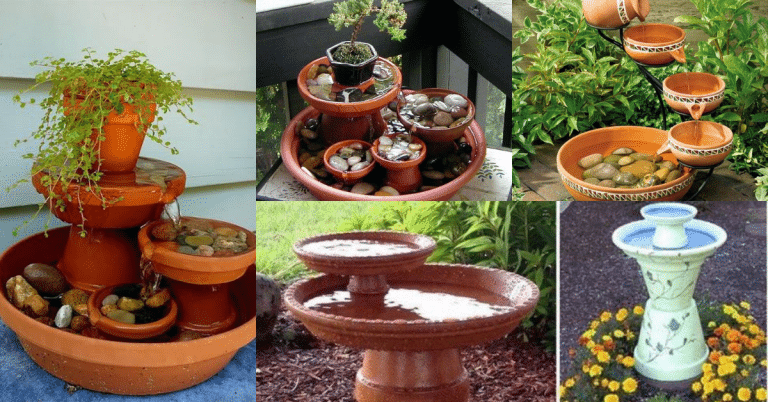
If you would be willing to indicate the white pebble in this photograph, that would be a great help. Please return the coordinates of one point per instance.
(63, 316)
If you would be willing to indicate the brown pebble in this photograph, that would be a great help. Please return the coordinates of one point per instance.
(45, 320)
(45, 279)
(79, 323)
(442, 119)
(36, 305)
(81, 309)
(159, 299)
(108, 309)
(225, 231)
(128, 304)
(19, 290)
(459, 113)
(73, 297)
(164, 231)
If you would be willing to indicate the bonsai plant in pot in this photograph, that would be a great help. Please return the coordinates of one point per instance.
(97, 113)
(353, 61)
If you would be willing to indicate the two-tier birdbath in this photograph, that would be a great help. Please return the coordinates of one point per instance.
(670, 247)
(410, 317)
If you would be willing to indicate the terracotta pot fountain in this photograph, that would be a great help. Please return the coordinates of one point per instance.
(410, 317)
(111, 232)
(199, 283)
(670, 247)
(439, 140)
(699, 143)
(655, 44)
(614, 13)
(347, 177)
(134, 368)
(129, 331)
(603, 141)
(694, 93)
(403, 176)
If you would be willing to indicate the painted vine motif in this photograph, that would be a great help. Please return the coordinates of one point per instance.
(672, 332)
(670, 288)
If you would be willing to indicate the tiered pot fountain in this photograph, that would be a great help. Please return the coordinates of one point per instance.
(670, 247)
(694, 145)
(343, 113)
(215, 294)
(410, 317)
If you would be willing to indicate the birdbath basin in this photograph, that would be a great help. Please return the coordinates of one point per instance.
(670, 247)
(411, 331)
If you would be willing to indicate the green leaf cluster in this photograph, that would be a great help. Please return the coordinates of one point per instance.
(82, 94)
(737, 51)
(390, 17)
(515, 236)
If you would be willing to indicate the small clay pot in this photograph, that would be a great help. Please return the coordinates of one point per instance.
(439, 140)
(128, 331)
(614, 13)
(351, 74)
(694, 93)
(403, 176)
(347, 177)
(699, 143)
(604, 140)
(655, 44)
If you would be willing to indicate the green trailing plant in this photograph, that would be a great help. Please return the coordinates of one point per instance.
(69, 136)
(390, 17)
(737, 50)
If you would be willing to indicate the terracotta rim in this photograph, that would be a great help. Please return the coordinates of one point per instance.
(197, 269)
(128, 331)
(355, 109)
(439, 134)
(415, 334)
(395, 165)
(674, 188)
(121, 353)
(347, 177)
(367, 265)
(654, 47)
(289, 147)
(672, 81)
(726, 142)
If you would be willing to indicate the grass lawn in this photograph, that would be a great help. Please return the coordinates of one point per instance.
(283, 223)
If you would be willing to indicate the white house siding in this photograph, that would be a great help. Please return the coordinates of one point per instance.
(209, 45)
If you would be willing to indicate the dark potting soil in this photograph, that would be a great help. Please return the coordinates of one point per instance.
(595, 275)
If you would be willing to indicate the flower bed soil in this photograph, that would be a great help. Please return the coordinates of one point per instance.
(297, 367)
(596, 276)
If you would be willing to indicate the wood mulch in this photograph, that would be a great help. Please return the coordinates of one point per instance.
(297, 367)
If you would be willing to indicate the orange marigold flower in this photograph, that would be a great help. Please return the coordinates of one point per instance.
(713, 342)
(748, 359)
(609, 345)
(726, 368)
(734, 347)
(733, 335)
(714, 356)
(583, 341)
(744, 394)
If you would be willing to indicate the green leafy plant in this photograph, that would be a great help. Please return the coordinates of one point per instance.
(737, 50)
(69, 136)
(390, 17)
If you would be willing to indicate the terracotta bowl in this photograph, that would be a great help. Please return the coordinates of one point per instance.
(356, 109)
(490, 285)
(655, 44)
(134, 368)
(289, 150)
(699, 143)
(195, 269)
(439, 135)
(348, 178)
(404, 176)
(614, 13)
(694, 93)
(128, 331)
(604, 140)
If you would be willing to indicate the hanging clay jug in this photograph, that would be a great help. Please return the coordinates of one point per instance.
(614, 13)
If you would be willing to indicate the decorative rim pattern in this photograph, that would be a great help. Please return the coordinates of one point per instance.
(653, 49)
(647, 196)
(622, 9)
(702, 152)
(695, 99)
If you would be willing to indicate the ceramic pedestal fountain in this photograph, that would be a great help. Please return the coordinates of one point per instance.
(111, 361)
(670, 247)
(410, 317)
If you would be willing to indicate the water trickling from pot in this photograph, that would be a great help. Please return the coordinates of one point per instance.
(149, 278)
(172, 212)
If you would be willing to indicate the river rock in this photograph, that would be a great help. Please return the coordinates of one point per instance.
(63, 316)
(668, 164)
(267, 306)
(353, 160)
(459, 112)
(607, 183)
(359, 166)
(649, 180)
(443, 119)
(604, 171)
(196, 241)
(36, 306)
(673, 175)
(625, 160)
(122, 316)
(79, 323)
(623, 151)
(433, 175)
(425, 109)
(81, 309)
(225, 231)
(640, 168)
(640, 156)
(73, 297)
(612, 159)
(45, 279)
(205, 251)
(389, 190)
(362, 188)
(105, 310)
(164, 231)
(159, 298)
(590, 161)
(19, 290)
(625, 179)
(308, 134)
(455, 100)
(129, 304)
(188, 249)
(661, 174)
(592, 180)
